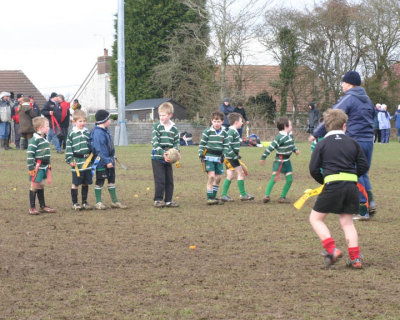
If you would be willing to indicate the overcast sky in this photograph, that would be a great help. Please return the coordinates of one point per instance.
(56, 43)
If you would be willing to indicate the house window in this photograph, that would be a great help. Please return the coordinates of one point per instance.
(148, 116)
(135, 117)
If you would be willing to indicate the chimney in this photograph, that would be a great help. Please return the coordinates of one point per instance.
(103, 63)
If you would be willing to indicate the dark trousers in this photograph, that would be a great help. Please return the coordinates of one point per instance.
(63, 139)
(163, 181)
(377, 134)
(17, 135)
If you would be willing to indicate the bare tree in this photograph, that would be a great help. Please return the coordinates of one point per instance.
(232, 28)
(379, 22)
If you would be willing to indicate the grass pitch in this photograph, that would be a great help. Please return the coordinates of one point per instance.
(250, 261)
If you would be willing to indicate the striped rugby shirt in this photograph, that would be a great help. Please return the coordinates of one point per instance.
(284, 145)
(215, 142)
(78, 144)
(38, 148)
(232, 144)
(164, 138)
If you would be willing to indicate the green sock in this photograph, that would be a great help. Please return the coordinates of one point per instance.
(215, 191)
(286, 187)
(370, 196)
(113, 194)
(225, 187)
(209, 194)
(97, 193)
(241, 187)
(270, 185)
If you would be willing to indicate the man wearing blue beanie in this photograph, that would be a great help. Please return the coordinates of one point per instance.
(360, 126)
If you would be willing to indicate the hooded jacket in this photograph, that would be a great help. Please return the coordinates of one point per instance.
(313, 118)
(226, 110)
(361, 112)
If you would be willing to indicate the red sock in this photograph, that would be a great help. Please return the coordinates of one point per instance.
(329, 245)
(354, 253)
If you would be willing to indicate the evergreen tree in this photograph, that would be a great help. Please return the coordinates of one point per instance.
(289, 56)
(148, 27)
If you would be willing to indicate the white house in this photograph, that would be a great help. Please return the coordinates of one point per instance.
(94, 93)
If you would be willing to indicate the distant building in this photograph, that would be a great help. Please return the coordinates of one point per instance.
(16, 81)
(140, 110)
(250, 80)
(94, 93)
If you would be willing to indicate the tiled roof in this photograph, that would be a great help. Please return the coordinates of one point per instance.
(17, 82)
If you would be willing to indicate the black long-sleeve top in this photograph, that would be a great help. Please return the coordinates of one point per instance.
(337, 153)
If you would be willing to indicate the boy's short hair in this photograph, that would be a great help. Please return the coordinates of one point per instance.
(79, 114)
(282, 122)
(166, 107)
(335, 119)
(217, 115)
(233, 117)
(38, 122)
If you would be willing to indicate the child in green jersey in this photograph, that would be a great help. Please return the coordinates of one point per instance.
(211, 149)
(284, 145)
(38, 160)
(165, 137)
(232, 160)
(76, 155)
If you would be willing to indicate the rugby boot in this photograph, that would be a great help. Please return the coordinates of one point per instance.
(33, 211)
(332, 258)
(226, 199)
(283, 200)
(47, 209)
(247, 197)
(355, 264)
(171, 204)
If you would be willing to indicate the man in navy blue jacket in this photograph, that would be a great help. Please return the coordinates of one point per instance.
(360, 126)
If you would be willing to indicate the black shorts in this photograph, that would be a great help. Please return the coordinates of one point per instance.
(85, 178)
(338, 197)
(101, 175)
(234, 163)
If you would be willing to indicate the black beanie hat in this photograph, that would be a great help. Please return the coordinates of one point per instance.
(312, 105)
(102, 116)
(352, 77)
(53, 94)
(19, 95)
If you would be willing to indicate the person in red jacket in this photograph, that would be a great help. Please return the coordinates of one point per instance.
(64, 124)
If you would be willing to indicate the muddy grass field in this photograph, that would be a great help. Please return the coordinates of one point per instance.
(251, 260)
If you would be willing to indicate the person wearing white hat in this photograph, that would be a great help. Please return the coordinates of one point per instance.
(5, 120)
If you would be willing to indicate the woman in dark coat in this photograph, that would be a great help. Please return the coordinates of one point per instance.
(26, 114)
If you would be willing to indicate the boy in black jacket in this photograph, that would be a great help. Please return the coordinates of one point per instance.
(342, 161)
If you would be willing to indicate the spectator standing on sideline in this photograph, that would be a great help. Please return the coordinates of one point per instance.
(377, 132)
(65, 117)
(5, 120)
(226, 109)
(240, 109)
(26, 114)
(52, 109)
(34, 106)
(15, 117)
(384, 123)
(397, 119)
(360, 126)
(313, 117)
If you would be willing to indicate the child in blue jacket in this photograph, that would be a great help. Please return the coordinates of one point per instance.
(103, 150)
